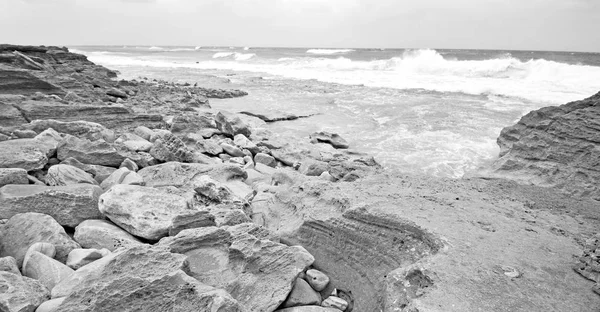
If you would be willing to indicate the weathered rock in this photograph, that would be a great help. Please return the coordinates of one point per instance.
(302, 294)
(116, 93)
(244, 143)
(181, 175)
(69, 205)
(171, 148)
(335, 302)
(9, 264)
(24, 134)
(232, 150)
(122, 176)
(44, 269)
(80, 257)
(557, 146)
(81, 129)
(22, 82)
(62, 175)
(101, 234)
(313, 168)
(229, 217)
(144, 132)
(142, 211)
(25, 229)
(94, 153)
(147, 279)
(100, 173)
(22, 153)
(214, 191)
(265, 159)
(192, 123)
(44, 248)
(209, 147)
(406, 283)
(331, 138)
(589, 262)
(13, 176)
(191, 220)
(129, 164)
(317, 279)
(20, 293)
(256, 272)
(10, 116)
(273, 116)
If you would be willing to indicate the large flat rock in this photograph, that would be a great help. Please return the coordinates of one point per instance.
(68, 205)
(27, 154)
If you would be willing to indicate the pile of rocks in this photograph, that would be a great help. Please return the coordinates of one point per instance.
(104, 208)
(589, 263)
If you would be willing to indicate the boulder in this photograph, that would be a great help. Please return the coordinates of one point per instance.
(302, 294)
(9, 264)
(69, 205)
(317, 279)
(61, 175)
(80, 257)
(22, 153)
(259, 273)
(97, 152)
(81, 129)
(142, 211)
(101, 234)
(13, 176)
(20, 293)
(25, 229)
(50, 305)
(330, 138)
(44, 269)
(145, 279)
(557, 146)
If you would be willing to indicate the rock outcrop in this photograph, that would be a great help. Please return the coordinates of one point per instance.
(557, 146)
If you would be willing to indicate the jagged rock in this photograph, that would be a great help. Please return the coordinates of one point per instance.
(351, 170)
(45, 269)
(69, 205)
(159, 134)
(94, 153)
(317, 279)
(99, 172)
(171, 148)
(22, 153)
(13, 176)
(555, 146)
(257, 272)
(62, 175)
(142, 211)
(25, 229)
(191, 220)
(228, 217)
(406, 284)
(331, 138)
(80, 257)
(101, 234)
(214, 191)
(265, 159)
(192, 123)
(9, 264)
(10, 116)
(181, 175)
(244, 143)
(20, 293)
(210, 147)
(302, 294)
(145, 279)
(81, 129)
(335, 302)
(50, 305)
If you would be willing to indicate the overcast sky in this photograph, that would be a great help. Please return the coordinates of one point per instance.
(571, 25)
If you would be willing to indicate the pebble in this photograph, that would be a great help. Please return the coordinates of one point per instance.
(317, 279)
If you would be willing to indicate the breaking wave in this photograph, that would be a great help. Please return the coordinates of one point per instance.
(328, 51)
(235, 55)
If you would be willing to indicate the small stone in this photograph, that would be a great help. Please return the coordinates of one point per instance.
(317, 279)
(265, 159)
(46, 270)
(144, 132)
(237, 160)
(335, 302)
(326, 176)
(80, 257)
(232, 150)
(302, 294)
(9, 264)
(129, 164)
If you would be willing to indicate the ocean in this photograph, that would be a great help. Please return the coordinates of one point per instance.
(436, 112)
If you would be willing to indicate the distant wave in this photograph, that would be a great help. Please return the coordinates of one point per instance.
(155, 49)
(328, 51)
(235, 55)
(172, 49)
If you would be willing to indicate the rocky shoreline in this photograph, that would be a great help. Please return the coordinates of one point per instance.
(138, 196)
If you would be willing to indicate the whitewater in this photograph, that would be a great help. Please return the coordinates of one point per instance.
(429, 111)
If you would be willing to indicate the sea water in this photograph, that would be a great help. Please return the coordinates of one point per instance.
(437, 112)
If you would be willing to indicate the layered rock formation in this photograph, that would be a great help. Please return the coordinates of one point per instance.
(557, 146)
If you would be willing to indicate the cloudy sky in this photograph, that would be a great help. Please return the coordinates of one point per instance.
(570, 25)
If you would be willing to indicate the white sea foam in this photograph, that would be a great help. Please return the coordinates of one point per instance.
(246, 48)
(328, 51)
(235, 55)
(155, 48)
